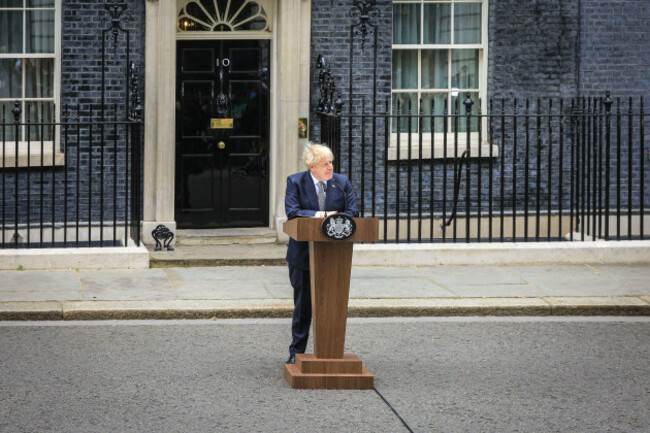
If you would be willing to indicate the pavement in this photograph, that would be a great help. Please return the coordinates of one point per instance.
(375, 291)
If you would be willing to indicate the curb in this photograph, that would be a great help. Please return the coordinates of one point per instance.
(237, 309)
(192, 263)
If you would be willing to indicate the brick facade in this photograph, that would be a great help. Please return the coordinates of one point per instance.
(537, 50)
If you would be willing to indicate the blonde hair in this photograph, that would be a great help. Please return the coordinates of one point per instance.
(314, 153)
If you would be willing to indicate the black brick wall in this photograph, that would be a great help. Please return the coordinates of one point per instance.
(330, 37)
(532, 55)
(614, 48)
(532, 48)
(81, 45)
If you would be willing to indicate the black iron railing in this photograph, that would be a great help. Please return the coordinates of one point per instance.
(70, 183)
(528, 170)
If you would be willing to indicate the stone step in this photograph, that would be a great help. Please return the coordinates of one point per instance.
(254, 254)
(254, 235)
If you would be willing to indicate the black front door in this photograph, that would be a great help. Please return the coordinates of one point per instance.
(222, 133)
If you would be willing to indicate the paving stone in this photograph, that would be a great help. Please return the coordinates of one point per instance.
(221, 289)
(635, 271)
(280, 291)
(216, 273)
(572, 280)
(453, 276)
(107, 274)
(271, 274)
(496, 291)
(399, 288)
(138, 284)
(147, 290)
(32, 296)
(384, 271)
(39, 281)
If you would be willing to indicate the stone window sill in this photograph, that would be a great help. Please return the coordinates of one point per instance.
(438, 148)
(32, 159)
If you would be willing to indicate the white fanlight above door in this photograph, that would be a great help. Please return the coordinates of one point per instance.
(240, 19)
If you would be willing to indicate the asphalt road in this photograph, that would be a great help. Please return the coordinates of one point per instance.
(439, 375)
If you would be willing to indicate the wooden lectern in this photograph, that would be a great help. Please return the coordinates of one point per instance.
(330, 263)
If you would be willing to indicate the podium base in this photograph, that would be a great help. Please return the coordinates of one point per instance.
(310, 372)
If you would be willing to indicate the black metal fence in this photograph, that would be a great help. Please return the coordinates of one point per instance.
(70, 183)
(528, 170)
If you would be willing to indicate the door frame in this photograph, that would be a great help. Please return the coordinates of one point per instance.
(289, 54)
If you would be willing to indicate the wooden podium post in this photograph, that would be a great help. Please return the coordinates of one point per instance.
(330, 264)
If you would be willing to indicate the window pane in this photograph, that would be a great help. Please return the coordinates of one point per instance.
(250, 10)
(39, 78)
(438, 101)
(435, 69)
(405, 69)
(403, 103)
(437, 24)
(39, 36)
(40, 3)
(40, 112)
(464, 69)
(461, 122)
(11, 3)
(11, 35)
(6, 116)
(10, 78)
(467, 23)
(406, 24)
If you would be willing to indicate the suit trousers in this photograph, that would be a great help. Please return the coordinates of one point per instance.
(301, 283)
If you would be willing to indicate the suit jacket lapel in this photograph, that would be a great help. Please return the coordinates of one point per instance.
(310, 189)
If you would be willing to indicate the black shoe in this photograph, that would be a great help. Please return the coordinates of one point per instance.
(292, 359)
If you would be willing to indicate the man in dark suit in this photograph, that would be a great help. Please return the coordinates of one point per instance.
(317, 192)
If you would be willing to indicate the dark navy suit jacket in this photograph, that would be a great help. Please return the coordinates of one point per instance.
(301, 200)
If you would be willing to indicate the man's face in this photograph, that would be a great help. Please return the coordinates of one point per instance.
(323, 170)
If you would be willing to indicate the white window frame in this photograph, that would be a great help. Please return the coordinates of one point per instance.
(437, 149)
(34, 157)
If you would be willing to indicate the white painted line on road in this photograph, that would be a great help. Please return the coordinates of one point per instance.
(355, 321)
